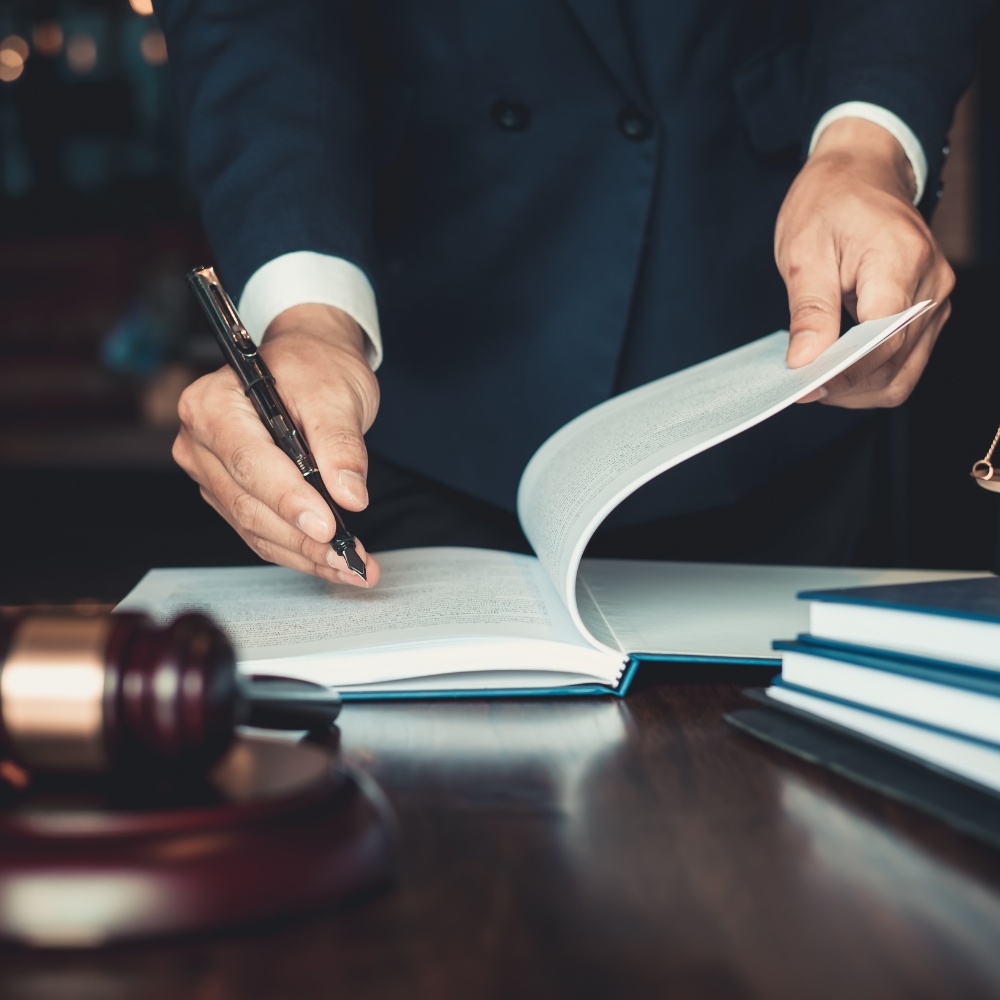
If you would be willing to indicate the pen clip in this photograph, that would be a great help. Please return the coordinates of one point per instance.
(217, 299)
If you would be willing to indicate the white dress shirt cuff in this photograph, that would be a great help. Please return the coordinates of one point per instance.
(893, 124)
(302, 277)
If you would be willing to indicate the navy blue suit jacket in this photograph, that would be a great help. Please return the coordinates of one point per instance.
(555, 200)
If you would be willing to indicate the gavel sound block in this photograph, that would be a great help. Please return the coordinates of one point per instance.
(129, 809)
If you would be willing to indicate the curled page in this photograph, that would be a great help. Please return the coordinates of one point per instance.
(588, 467)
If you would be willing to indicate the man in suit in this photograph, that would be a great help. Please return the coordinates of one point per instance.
(552, 201)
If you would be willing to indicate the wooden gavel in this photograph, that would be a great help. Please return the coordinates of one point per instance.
(119, 694)
(141, 838)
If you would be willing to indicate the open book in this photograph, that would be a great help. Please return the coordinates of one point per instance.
(448, 621)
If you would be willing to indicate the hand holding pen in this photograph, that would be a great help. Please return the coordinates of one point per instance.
(232, 419)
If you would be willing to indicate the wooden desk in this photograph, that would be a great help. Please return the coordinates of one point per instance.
(608, 849)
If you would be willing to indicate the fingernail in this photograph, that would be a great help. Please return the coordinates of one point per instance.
(314, 526)
(815, 396)
(354, 485)
(801, 344)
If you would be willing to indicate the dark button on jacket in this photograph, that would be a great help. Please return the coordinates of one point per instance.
(511, 116)
(634, 124)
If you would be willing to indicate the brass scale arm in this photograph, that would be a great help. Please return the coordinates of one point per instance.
(983, 471)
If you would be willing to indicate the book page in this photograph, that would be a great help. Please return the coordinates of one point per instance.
(426, 595)
(581, 473)
(712, 610)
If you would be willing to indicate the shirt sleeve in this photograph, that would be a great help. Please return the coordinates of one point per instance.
(892, 123)
(304, 276)
(914, 58)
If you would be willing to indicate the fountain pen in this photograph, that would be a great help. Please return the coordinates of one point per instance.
(258, 383)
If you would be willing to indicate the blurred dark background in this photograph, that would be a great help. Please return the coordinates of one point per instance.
(98, 335)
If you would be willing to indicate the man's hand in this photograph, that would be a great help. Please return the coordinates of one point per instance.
(316, 354)
(848, 233)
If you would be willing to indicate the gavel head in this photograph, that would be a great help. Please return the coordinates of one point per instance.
(116, 693)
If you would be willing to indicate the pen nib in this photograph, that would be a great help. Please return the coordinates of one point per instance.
(353, 560)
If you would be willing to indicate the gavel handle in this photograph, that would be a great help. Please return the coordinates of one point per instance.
(285, 703)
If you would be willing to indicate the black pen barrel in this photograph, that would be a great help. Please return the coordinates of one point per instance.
(243, 357)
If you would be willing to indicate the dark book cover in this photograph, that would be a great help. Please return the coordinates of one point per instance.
(973, 597)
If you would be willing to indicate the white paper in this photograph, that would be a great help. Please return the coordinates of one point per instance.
(976, 761)
(581, 473)
(958, 640)
(942, 704)
(436, 611)
(713, 609)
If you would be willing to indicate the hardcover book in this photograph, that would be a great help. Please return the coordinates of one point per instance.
(960, 700)
(464, 621)
(955, 620)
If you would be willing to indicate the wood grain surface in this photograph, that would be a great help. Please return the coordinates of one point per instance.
(600, 848)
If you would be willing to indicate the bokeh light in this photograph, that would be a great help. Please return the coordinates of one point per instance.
(81, 53)
(16, 44)
(143, 7)
(153, 47)
(13, 51)
(48, 38)
(11, 65)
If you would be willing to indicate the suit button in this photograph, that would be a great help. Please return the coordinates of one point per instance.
(634, 124)
(511, 116)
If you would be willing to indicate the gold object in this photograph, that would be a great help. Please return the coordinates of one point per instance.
(983, 471)
(52, 690)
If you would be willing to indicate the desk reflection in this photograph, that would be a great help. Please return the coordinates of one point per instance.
(864, 860)
(495, 755)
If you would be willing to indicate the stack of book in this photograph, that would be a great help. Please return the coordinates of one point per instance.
(910, 670)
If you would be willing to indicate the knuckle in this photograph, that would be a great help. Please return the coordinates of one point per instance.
(345, 443)
(304, 546)
(189, 405)
(946, 282)
(918, 248)
(180, 451)
(899, 344)
(846, 381)
(896, 393)
(243, 464)
(362, 383)
(185, 408)
(809, 306)
(246, 511)
(200, 401)
(792, 258)
(882, 379)
(374, 398)
(359, 372)
(263, 547)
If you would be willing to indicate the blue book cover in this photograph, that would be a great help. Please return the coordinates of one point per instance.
(956, 699)
(707, 670)
(976, 598)
(956, 675)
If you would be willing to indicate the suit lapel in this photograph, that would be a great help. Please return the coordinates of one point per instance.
(603, 26)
